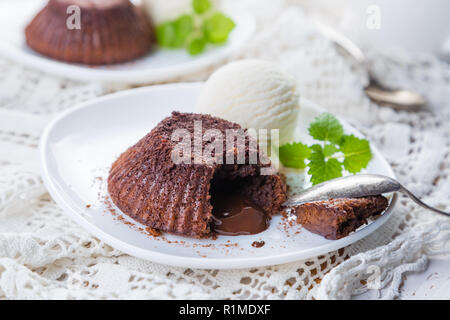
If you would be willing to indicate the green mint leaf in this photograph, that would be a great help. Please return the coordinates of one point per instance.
(166, 34)
(326, 127)
(197, 45)
(201, 6)
(322, 169)
(184, 26)
(217, 27)
(356, 152)
(173, 34)
(330, 149)
(339, 151)
(294, 155)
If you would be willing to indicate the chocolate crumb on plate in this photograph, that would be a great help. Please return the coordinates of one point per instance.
(258, 244)
(153, 232)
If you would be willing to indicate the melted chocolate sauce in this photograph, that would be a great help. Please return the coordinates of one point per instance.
(236, 215)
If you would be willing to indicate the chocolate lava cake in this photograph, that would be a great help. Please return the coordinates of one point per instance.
(336, 218)
(146, 184)
(111, 31)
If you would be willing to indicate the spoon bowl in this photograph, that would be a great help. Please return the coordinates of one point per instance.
(398, 99)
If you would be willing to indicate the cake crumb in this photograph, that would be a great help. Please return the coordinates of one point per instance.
(153, 232)
(258, 244)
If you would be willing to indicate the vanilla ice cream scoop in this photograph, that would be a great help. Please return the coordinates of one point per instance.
(253, 93)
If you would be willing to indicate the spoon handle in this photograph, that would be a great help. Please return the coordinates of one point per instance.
(343, 42)
(421, 203)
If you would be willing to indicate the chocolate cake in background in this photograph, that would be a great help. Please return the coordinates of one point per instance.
(112, 31)
(148, 186)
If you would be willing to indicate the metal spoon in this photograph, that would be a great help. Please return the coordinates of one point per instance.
(397, 99)
(355, 186)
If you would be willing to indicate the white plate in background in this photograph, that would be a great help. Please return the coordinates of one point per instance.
(161, 65)
(78, 148)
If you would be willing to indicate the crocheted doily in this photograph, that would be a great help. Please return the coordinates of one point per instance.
(45, 255)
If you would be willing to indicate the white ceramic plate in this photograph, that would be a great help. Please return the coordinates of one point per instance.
(78, 148)
(157, 66)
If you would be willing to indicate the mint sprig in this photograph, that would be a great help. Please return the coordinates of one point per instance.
(326, 127)
(194, 31)
(357, 153)
(217, 27)
(196, 45)
(201, 6)
(334, 152)
(322, 167)
(294, 155)
(175, 33)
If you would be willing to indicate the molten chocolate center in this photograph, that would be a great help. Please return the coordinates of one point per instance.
(237, 215)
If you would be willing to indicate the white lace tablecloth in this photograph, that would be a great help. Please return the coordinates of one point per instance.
(45, 255)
